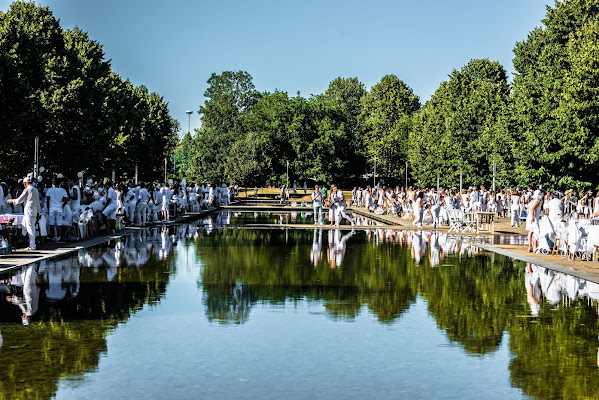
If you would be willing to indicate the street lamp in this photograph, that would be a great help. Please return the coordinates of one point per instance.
(188, 112)
(36, 157)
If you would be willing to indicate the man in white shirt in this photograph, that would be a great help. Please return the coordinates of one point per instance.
(317, 205)
(110, 209)
(338, 199)
(56, 197)
(555, 209)
(31, 200)
(142, 204)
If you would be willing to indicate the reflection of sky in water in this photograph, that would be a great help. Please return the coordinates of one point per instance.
(245, 313)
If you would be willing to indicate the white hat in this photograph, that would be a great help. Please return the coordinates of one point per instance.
(27, 180)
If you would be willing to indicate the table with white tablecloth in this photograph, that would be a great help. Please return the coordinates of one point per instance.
(17, 219)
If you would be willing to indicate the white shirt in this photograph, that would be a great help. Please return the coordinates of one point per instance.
(56, 194)
(111, 195)
(31, 198)
(75, 204)
(556, 209)
(317, 198)
(144, 195)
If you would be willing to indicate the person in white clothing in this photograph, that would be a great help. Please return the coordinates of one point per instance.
(555, 209)
(56, 197)
(110, 209)
(338, 199)
(74, 196)
(166, 199)
(142, 204)
(435, 201)
(317, 205)
(532, 220)
(30, 198)
(515, 210)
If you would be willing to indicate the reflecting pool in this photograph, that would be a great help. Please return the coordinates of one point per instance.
(193, 312)
(303, 216)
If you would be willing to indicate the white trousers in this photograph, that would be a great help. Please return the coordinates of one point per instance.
(436, 210)
(340, 213)
(515, 216)
(29, 226)
(142, 208)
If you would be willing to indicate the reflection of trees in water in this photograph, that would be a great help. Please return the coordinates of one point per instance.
(470, 300)
(556, 353)
(71, 337)
(274, 267)
(475, 300)
(229, 303)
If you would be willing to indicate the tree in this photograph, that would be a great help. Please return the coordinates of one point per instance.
(386, 114)
(555, 98)
(462, 129)
(30, 38)
(228, 97)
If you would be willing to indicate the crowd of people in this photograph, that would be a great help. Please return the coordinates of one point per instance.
(51, 210)
(415, 203)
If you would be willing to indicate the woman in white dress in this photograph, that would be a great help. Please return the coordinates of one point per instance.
(465, 200)
(532, 220)
(418, 209)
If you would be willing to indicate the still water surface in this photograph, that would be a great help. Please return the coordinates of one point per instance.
(227, 313)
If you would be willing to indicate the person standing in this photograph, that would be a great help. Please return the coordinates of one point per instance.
(532, 220)
(142, 204)
(435, 200)
(317, 205)
(305, 187)
(74, 196)
(110, 209)
(418, 209)
(555, 209)
(30, 198)
(56, 197)
(515, 210)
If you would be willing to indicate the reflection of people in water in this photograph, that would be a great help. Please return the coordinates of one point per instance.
(56, 291)
(337, 247)
(28, 298)
(434, 255)
(417, 245)
(316, 247)
(533, 288)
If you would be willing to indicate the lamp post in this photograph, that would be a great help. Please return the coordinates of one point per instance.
(287, 173)
(188, 112)
(36, 157)
(374, 175)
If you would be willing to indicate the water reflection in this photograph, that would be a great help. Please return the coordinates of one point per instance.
(71, 305)
(240, 218)
(65, 308)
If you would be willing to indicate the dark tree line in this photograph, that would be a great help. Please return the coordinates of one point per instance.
(58, 85)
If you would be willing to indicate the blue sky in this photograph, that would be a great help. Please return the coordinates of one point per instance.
(172, 47)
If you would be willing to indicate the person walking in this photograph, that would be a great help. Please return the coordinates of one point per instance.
(30, 198)
(338, 199)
